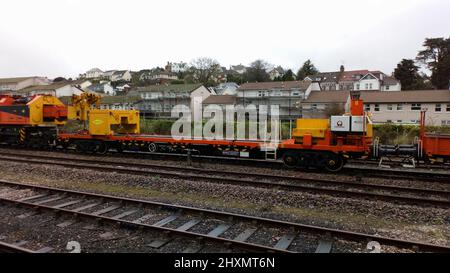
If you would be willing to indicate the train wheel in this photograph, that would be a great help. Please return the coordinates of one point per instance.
(152, 147)
(334, 163)
(102, 148)
(290, 159)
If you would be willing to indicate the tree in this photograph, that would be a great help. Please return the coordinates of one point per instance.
(288, 76)
(257, 72)
(436, 56)
(408, 74)
(59, 79)
(205, 70)
(307, 69)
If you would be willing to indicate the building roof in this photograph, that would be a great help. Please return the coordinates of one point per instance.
(387, 80)
(119, 99)
(48, 87)
(168, 88)
(220, 99)
(414, 96)
(303, 85)
(15, 80)
(94, 70)
(328, 97)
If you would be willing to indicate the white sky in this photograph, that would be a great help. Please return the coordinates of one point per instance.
(67, 37)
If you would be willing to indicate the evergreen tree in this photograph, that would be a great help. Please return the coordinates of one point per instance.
(307, 69)
(436, 56)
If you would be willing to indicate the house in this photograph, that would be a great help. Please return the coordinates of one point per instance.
(13, 84)
(108, 74)
(284, 94)
(103, 87)
(82, 83)
(119, 102)
(93, 73)
(321, 104)
(276, 72)
(386, 107)
(159, 100)
(220, 100)
(158, 76)
(226, 88)
(58, 89)
(121, 75)
(240, 69)
(404, 107)
(355, 80)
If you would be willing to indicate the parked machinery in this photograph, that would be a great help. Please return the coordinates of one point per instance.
(330, 142)
(31, 121)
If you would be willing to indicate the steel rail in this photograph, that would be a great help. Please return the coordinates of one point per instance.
(246, 182)
(349, 235)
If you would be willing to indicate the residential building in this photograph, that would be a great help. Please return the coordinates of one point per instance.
(240, 69)
(82, 83)
(386, 107)
(58, 89)
(226, 88)
(119, 102)
(121, 75)
(220, 100)
(93, 73)
(404, 107)
(159, 100)
(321, 104)
(276, 72)
(284, 94)
(355, 80)
(103, 87)
(178, 67)
(13, 84)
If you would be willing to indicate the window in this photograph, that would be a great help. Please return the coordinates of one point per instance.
(357, 86)
(447, 108)
(389, 121)
(445, 122)
(313, 106)
(416, 106)
(366, 107)
(399, 107)
(377, 108)
(295, 93)
(389, 107)
(387, 87)
(414, 121)
(370, 86)
(399, 121)
(367, 86)
(437, 108)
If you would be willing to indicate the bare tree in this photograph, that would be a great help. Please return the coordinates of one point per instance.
(205, 70)
(257, 72)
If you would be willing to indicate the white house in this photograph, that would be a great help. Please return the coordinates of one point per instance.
(161, 99)
(103, 87)
(94, 73)
(58, 89)
(12, 84)
(121, 75)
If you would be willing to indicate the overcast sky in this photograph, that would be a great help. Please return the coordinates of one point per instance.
(67, 37)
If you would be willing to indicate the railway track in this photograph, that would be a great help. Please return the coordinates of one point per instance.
(13, 248)
(354, 168)
(352, 189)
(227, 229)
